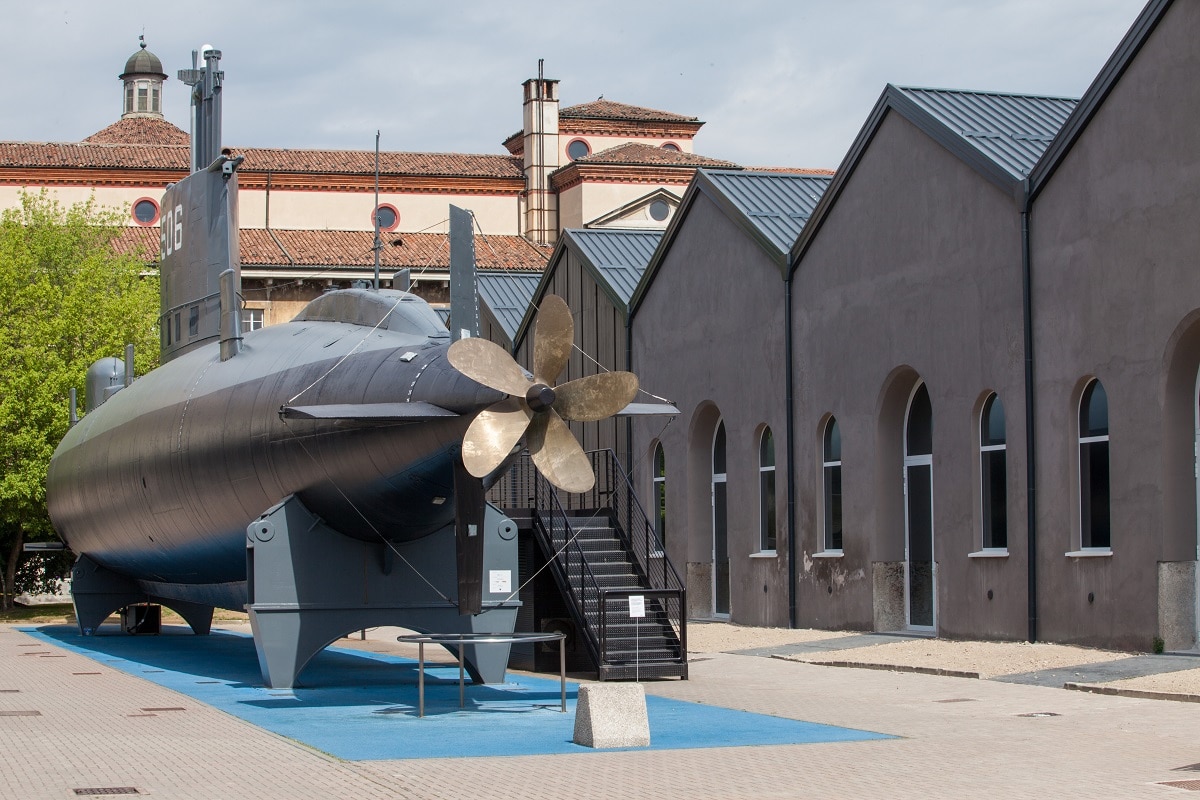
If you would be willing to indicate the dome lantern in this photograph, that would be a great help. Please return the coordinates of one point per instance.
(143, 78)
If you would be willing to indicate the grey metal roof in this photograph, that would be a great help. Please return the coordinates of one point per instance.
(1012, 130)
(618, 256)
(778, 204)
(507, 295)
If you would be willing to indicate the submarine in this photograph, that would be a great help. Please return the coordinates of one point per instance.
(326, 474)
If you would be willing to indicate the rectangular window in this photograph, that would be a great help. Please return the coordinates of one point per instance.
(194, 321)
(994, 473)
(143, 94)
(252, 319)
(833, 506)
(1094, 508)
(766, 511)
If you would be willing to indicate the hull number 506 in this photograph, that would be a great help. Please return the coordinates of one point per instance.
(172, 230)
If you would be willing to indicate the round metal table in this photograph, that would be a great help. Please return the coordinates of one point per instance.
(463, 639)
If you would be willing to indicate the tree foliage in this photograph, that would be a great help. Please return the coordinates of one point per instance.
(68, 297)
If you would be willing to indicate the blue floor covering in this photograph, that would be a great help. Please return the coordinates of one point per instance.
(362, 706)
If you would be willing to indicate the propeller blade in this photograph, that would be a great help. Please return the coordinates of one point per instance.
(596, 396)
(553, 335)
(493, 434)
(557, 455)
(489, 364)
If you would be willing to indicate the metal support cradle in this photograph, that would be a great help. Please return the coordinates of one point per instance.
(464, 639)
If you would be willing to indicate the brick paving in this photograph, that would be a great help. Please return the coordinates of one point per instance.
(959, 738)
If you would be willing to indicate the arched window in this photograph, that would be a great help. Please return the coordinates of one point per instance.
(1094, 525)
(660, 495)
(766, 491)
(720, 511)
(993, 471)
(831, 479)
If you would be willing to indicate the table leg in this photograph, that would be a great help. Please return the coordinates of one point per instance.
(461, 696)
(420, 679)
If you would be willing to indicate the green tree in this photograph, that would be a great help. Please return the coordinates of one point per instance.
(69, 295)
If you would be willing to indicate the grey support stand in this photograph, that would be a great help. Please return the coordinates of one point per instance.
(98, 592)
(308, 585)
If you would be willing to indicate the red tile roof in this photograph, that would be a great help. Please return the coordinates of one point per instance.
(324, 249)
(608, 109)
(140, 130)
(649, 155)
(92, 155)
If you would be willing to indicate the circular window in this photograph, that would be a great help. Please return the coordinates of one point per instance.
(659, 210)
(145, 211)
(578, 149)
(671, 146)
(387, 215)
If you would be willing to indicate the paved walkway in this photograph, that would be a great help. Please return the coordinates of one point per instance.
(68, 722)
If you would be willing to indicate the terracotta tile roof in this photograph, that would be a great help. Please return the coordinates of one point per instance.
(140, 130)
(608, 109)
(322, 249)
(649, 155)
(92, 155)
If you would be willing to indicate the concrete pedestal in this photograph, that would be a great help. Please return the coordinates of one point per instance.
(611, 715)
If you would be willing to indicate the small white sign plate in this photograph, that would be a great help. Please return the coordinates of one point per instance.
(637, 606)
(499, 581)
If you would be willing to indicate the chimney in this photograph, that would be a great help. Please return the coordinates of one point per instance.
(541, 157)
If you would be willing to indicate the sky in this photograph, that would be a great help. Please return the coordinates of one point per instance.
(777, 82)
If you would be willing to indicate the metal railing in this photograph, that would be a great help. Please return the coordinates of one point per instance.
(612, 503)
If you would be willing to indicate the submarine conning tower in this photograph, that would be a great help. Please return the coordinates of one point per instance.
(199, 237)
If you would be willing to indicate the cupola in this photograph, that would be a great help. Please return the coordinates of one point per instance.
(143, 78)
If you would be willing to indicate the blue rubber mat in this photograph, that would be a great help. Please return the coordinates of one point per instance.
(363, 706)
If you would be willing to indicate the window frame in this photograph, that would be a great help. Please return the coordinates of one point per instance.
(572, 143)
(1085, 443)
(829, 465)
(659, 481)
(768, 529)
(987, 518)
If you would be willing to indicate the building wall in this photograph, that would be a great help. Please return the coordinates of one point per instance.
(599, 142)
(352, 211)
(584, 202)
(709, 337)
(1116, 281)
(914, 276)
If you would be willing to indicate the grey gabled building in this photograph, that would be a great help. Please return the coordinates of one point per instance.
(708, 323)
(998, 307)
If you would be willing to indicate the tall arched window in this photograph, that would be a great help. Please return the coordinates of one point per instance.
(1094, 525)
(660, 495)
(993, 471)
(720, 510)
(766, 491)
(831, 478)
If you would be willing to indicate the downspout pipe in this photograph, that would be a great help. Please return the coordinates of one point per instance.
(1030, 438)
(629, 368)
(790, 428)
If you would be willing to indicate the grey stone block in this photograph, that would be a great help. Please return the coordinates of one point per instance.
(611, 715)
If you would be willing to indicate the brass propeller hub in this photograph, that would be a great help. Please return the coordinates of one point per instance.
(539, 397)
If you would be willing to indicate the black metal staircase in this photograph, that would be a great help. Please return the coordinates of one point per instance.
(602, 551)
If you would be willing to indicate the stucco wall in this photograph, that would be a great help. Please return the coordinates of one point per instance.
(914, 276)
(709, 336)
(1116, 280)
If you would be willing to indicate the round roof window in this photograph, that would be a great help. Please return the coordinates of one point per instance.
(145, 211)
(578, 149)
(671, 147)
(659, 210)
(388, 217)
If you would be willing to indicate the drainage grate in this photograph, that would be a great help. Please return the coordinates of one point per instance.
(98, 790)
(1040, 714)
(1191, 786)
(36, 653)
(20, 713)
(957, 700)
(169, 708)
